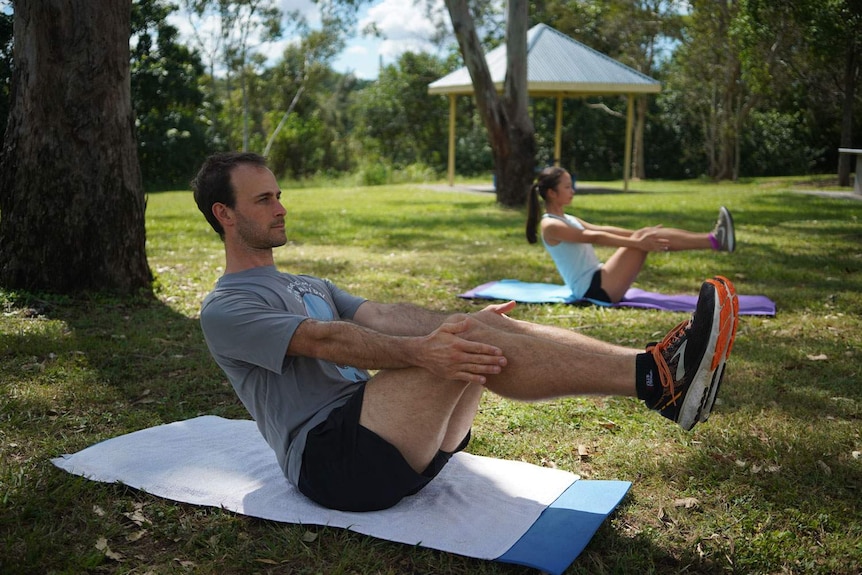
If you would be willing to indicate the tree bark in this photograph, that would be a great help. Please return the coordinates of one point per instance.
(639, 167)
(851, 70)
(507, 119)
(71, 198)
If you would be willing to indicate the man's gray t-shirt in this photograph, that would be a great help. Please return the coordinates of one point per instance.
(248, 321)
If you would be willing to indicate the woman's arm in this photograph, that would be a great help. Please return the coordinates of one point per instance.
(623, 232)
(646, 239)
(555, 231)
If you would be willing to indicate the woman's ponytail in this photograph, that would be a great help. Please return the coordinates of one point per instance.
(546, 180)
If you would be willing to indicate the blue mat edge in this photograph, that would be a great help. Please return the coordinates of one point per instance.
(566, 527)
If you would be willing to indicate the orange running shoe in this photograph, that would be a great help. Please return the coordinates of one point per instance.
(692, 355)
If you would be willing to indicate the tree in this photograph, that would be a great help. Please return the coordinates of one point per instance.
(5, 70)
(634, 32)
(709, 72)
(305, 65)
(822, 54)
(642, 29)
(240, 26)
(167, 98)
(71, 202)
(399, 119)
(506, 117)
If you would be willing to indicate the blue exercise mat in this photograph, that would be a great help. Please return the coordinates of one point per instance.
(566, 527)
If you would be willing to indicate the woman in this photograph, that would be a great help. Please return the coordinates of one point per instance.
(570, 241)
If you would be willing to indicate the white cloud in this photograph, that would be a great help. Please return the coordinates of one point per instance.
(404, 26)
(356, 50)
(305, 7)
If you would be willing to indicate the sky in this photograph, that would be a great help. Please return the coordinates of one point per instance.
(403, 25)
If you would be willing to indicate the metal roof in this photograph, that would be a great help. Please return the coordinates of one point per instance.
(556, 65)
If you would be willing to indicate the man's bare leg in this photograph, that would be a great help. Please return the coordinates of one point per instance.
(419, 414)
(493, 316)
(462, 417)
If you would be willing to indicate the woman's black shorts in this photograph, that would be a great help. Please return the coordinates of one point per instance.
(596, 291)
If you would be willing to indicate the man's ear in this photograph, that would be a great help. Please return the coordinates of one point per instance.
(223, 214)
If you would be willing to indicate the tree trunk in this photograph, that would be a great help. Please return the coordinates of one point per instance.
(507, 119)
(851, 70)
(71, 199)
(639, 169)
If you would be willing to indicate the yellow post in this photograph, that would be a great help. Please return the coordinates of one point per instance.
(558, 132)
(627, 167)
(451, 139)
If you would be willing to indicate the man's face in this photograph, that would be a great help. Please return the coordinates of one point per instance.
(258, 213)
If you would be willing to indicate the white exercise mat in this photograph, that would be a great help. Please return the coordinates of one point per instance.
(477, 506)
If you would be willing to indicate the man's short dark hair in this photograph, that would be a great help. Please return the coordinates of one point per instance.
(212, 184)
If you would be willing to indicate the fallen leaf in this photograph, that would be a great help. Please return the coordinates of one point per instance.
(137, 517)
(143, 397)
(664, 517)
(823, 467)
(102, 545)
(687, 502)
(309, 537)
(821, 357)
(136, 536)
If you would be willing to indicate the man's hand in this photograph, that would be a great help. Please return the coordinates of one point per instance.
(448, 355)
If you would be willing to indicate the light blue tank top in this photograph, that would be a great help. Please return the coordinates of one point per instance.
(576, 261)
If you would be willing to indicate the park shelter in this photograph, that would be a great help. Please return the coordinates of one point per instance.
(557, 67)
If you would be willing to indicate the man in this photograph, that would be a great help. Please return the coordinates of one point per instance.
(296, 349)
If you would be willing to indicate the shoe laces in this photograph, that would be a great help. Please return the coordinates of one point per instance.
(670, 342)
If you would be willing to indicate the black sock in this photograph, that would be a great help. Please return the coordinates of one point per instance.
(647, 381)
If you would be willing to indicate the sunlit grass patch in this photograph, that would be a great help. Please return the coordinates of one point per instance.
(770, 484)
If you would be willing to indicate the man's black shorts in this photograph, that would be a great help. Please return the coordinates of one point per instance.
(348, 467)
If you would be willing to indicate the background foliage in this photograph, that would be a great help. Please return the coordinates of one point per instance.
(750, 88)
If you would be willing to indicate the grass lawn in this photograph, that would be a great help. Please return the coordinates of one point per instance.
(773, 480)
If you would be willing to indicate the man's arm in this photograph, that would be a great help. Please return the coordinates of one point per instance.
(398, 318)
(441, 351)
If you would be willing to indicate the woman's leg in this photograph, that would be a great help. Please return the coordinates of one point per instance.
(721, 238)
(621, 270)
(681, 240)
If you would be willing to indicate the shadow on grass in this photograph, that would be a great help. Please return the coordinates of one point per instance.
(75, 372)
(140, 355)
